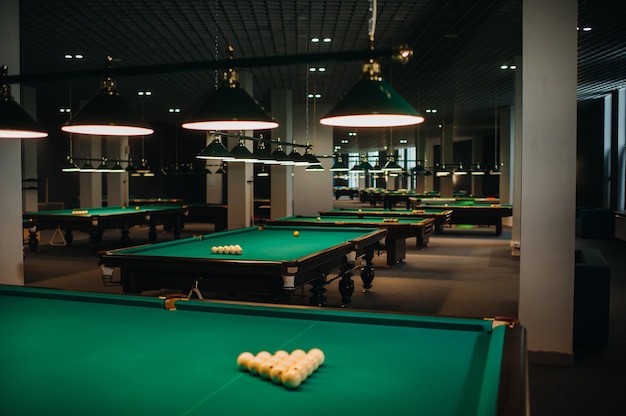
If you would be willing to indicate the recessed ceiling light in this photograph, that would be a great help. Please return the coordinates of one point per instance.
(327, 40)
(315, 40)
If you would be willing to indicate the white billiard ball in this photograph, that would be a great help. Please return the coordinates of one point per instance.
(292, 378)
(214, 249)
(244, 359)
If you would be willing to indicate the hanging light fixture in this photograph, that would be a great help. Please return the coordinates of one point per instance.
(281, 157)
(262, 154)
(339, 165)
(15, 123)
(103, 167)
(372, 102)
(215, 150)
(460, 170)
(298, 159)
(70, 165)
(391, 165)
(229, 107)
(477, 170)
(240, 153)
(107, 114)
(87, 166)
(117, 167)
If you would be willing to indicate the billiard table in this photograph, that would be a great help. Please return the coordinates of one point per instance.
(74, 353)
(398, 230)
(472, 211)
(274, 262)
(94, 221)
(441, 216)
(345, 191)
(157, 201)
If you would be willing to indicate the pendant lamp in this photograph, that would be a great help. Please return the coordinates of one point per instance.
(107, 114)
(372, 102)
(15, 123)
(229, 107)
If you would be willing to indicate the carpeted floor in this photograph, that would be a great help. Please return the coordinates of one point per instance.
(470, 273)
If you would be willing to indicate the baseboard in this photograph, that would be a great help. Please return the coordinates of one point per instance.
(550, 358)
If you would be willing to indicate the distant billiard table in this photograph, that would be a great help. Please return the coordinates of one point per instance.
(398, 230)
(471, 211)
(94, 221)
(76, 353)
(274, 262)
(441, 216)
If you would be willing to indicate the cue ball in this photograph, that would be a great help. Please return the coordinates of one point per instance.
(319, 218)
(296, 233)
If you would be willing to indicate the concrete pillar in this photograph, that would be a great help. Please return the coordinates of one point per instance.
(516, 163)
(90, 183)
(313, 190)
(30, 193)
(549, 74)
(240, 180)
(478, 143)
(11, 254)
(281, 193)
(117, 183)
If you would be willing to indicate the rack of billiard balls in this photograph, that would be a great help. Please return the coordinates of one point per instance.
(288, 369)
(231, 249)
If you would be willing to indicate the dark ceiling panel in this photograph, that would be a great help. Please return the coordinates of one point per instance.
(458, 46)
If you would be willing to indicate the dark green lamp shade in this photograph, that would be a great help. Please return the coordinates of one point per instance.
(15, 123)
(372, 103)
(215, 150)
(392, 166)
(70, 166)
(339, 166)
(281, 157)
(240, 153)
(263, 155)
(107, 115)
(228, 109)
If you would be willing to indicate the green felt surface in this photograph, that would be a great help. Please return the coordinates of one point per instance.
(258, 243)
(347, 220)
(78, 355)
(384, 211)
(102, 211)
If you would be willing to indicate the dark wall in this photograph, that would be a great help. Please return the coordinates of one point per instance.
(590, 154)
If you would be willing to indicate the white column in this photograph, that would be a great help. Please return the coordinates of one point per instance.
(90, 183)
(549, 73)
(478, 143)
(506, 132)
(117, 183)
(281, 192)
(516, 160)
(30, 197)
(312, 190)
(11, 254)
(240, 185)
(429, 163)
